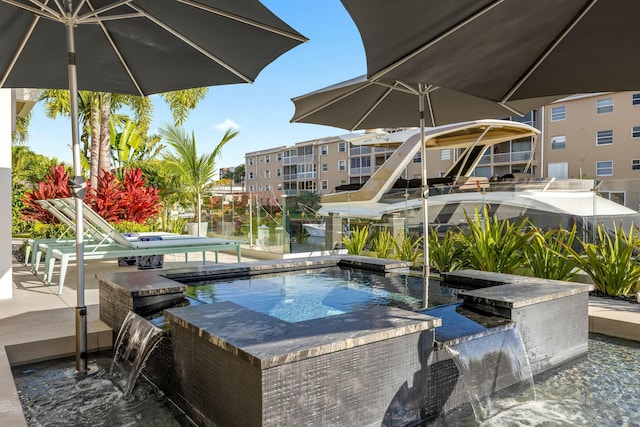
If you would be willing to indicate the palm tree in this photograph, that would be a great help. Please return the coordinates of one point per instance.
(197, 171)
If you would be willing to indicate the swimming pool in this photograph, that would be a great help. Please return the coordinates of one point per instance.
(312, 294)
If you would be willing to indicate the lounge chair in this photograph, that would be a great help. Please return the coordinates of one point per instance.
(116, 245)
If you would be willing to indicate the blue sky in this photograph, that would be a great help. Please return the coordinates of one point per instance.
(261, 111)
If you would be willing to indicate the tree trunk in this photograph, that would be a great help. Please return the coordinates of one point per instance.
(104, 163)
(95, 141)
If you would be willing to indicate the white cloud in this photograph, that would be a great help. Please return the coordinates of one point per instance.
(227, 124)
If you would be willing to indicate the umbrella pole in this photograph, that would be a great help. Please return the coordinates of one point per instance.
(425, 194)
(77, 183)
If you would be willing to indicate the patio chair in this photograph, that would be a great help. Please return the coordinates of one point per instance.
(116, 245)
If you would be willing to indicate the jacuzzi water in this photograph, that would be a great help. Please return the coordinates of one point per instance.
(312, 294)
(600, 389)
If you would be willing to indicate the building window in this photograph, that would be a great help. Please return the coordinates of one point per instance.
(267, 173)
(278, 172)
(615, 196)
(417, 158)
(250, 161)
(260, 187)
(325, 167)
(604, 137)
(445, 154)
(558, 142)
(251, 189)
(250, 175)
(558, 113)
(604, 168)
(635, 164)
(342, 165)
(279, 157)
(342, 147)
(635, 132)
(325, 185)
(324, 150)
(267, 158)
(635, 99)
(604, 106)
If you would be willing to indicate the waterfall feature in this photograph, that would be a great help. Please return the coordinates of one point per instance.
(494, 370)
(136, 341)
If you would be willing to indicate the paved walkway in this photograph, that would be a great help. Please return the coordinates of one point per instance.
(37, 322)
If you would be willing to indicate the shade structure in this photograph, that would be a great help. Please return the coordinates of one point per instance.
(135, 47)
(503, 50)
(361, 103)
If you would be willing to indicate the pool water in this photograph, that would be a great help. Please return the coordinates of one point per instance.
(312, 294)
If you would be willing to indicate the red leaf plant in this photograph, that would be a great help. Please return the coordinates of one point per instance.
(54, 186)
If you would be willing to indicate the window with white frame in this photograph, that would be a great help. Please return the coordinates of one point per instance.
(342, 165)
(604, 106)
(279, 172)
(604, 137)
(250, 175)
(635, 99)
(251, 189)
(267, 173)
(325, 185)
(342, 147)
(250, 161)
(558, 113)
(635, 164)
(417, 158)
(267, 187)
(558, 142)
(279, 157)
(267, 158)
(604, 168)
(261, 174)
(635, 132)
(261, 187)
(445, 154)
(615, 196)
(324, 150)
(325, 167)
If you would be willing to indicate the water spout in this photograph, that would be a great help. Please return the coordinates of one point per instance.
(135, 342)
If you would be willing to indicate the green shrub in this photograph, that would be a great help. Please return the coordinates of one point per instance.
(407, 248)
(48, 231)
(383, 243)
(546, 255)
(131, 227)
(445, 254)
(356, 241)
(492, 244)
(611, 261)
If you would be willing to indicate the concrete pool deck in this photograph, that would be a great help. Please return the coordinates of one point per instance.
(37, 322)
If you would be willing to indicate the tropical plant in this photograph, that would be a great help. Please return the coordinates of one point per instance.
(55, 185)
(492, 244)
(611, 261)
(382, 243)
(407, 248)
(356, 240)
(445, 253)
(546, 256)
(196, 171)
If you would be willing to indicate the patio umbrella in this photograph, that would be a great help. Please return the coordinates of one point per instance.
(362, 103)
(503, 50)
(135, 47)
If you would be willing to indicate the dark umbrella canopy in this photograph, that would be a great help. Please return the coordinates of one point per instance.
(503, 50)
(136, 47)
(364, 104)
(140, 47)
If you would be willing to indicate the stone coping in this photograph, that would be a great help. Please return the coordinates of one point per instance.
(482, 279)
(516, 295)
(266, 342)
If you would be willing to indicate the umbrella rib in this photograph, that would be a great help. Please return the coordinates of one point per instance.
(331, 102)
(96, 12)
(23, 43)
(374, 106)
(431, 114)
(432, 42)
(118, 54)
(244, 20)
(112, 18)
(398, 86)
(44, 6)
(192, 44)
(36, 11)
(548, 51)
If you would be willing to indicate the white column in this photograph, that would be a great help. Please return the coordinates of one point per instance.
(7, 117)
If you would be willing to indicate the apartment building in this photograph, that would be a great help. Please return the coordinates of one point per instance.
(593, 136)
